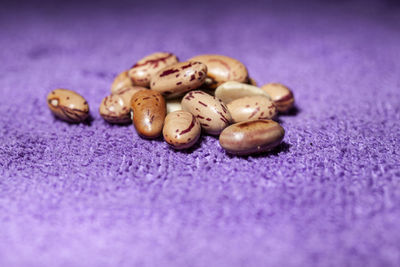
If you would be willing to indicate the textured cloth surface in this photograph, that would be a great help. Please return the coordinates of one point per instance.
(97, 195)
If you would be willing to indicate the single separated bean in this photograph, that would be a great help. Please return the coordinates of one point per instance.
(68, 105)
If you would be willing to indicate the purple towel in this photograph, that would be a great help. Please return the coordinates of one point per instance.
(95, 194)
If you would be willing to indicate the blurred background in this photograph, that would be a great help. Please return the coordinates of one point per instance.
(129, 30)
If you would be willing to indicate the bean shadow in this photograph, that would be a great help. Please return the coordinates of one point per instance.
(282, 148)
(157, 139)
(89, 120)
(277, 119)
(125, 124)
(190, 149)
(294, 111)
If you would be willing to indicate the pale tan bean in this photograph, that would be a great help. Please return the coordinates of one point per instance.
(174, 104)
(181, 129)
(148, 108)
(121, 81)
(115, 108)
(145, 68)
(281, 95)
(251, 137)
(252, 108)
(68, 105)
(175, 80)
(212, 114)
(221, 69)
(230, 91)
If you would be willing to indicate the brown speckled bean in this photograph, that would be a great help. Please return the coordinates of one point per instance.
(181, 129)
(121, 81)
(281, 95)
(250, 137)
(145, 68)
(222, 69)
(252, 108)
(116, 107)
(68, 105)
(149, 112)
(212, 114)
(179, 78)
(232, 90)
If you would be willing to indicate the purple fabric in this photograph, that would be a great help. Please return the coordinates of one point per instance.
(98, 195)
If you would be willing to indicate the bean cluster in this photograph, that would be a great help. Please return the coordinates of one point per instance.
(207, 93)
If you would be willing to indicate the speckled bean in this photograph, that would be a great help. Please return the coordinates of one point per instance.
(212, 114)
(281, 95)
(68, 105)
(115, 108)
(230, 91)
(252, 108)
(148, 108)
(250, 137)
(222, 69)
(145, 68)
(121, 81)
(181, 129)
(179, 78)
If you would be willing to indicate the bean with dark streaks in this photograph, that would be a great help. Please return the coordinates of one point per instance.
(252, 108)
(281, 95)
(121, 81)
(251, 137)
(116, 107)
(221, 69)
(176, 80)
(142, 72)
(149, 110)
(68, 105)
(212, 114)
(181, 129)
